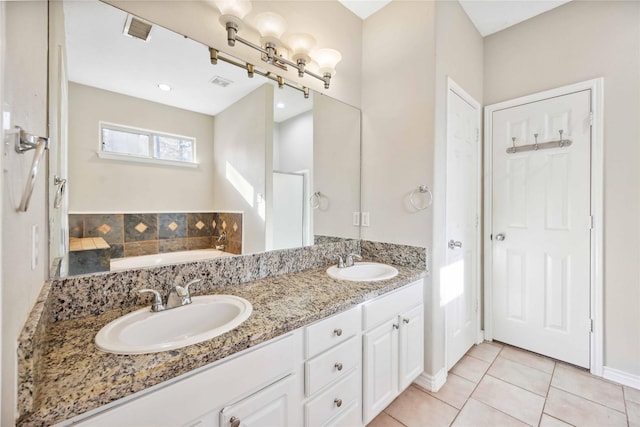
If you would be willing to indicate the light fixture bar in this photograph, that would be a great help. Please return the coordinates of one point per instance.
(232, 30)
(215, 56)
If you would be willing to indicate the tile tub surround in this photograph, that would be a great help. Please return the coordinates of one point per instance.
(281, 304)
(134, 234)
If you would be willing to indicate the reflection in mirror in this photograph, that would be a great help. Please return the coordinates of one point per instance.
(171, 158)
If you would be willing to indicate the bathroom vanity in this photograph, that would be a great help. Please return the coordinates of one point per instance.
(304, 357)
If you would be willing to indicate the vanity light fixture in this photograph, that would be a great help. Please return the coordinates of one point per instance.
(164, 87)
(271, 27)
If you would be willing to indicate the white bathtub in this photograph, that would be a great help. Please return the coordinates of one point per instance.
(165, 258)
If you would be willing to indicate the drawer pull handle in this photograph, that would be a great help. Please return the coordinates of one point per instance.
(235, 422)
(338, 402)
(338, 366)
(396, 326)
(405, 320)
(337, 331)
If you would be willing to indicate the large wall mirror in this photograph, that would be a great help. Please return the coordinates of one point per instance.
(161, 152)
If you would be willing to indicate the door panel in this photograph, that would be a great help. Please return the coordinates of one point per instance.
(458, 277)
(541, 205)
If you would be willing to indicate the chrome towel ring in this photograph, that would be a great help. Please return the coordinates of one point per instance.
(314, 200)
(422, 189)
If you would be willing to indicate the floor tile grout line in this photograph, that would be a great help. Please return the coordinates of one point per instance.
(546, 396)
(430, 395)
(392, 417)
(592, 401)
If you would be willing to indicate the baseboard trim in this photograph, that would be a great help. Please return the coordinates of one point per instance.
(432, 382)
(621, 377)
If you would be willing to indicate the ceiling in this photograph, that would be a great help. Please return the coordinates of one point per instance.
(488, 16)
(100, 55)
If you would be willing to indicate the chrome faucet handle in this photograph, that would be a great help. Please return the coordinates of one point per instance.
(157, 305)
(340, 262)
(186, 287)
(350, 257)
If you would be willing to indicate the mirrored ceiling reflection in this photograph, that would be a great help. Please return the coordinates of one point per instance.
(262, 178)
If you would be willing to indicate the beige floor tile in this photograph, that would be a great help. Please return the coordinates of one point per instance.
(583, 384)
(581, 412)
(523, 376)
(384, 420)
(632, 394)
(455, 391)
(633, 413)
(512, 400)
(549, 421)
(476, 414)
(417, 408)
(470, 368)
(485, 351)
(529, 359)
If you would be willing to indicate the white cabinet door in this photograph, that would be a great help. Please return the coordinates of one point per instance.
(268, 407)
(381, 368)
(411, 354)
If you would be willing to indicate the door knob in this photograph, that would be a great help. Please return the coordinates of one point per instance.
(454, 244)
(500, 237)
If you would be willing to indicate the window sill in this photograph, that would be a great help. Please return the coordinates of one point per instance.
(149, 160)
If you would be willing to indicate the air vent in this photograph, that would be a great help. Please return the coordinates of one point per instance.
(137, 28)
(217, 80)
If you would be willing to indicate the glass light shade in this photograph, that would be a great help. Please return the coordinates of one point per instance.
(301, 45)
(271, 26)
(327, 60)
(236, 8)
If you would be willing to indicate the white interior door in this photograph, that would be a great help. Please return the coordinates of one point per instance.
(541, 228)
(459, 276)
(288, 210)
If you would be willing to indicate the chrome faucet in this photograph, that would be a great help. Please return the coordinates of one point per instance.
(221, 238)
(178, 296)
(348, 260)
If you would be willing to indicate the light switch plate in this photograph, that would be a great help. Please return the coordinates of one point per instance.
(365, 219)
(356, 219)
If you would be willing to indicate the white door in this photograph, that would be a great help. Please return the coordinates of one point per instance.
(541, 228)
(459, 275)
(288, 210)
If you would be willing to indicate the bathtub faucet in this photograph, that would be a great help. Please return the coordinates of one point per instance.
(222, 237)
(178, 296)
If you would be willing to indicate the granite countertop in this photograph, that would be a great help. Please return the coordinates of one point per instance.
(77, 377)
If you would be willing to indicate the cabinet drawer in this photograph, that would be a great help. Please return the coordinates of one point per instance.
(352, 417)
(329, 332)
(325, 407)
(390, 305)
(332, 365)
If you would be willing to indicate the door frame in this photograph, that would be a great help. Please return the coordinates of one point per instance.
(596, 86)
(452, 86)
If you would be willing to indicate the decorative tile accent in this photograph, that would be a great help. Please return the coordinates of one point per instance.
(173, 226)
(135, 232)
(213, 224)
(224, 225)
(104, 229)
(199, 224)
(235, 226)
(140, 228)
(76, 225)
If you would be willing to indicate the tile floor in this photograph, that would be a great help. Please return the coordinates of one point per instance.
(499, 385)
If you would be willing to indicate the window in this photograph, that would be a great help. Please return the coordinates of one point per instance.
(126, 143)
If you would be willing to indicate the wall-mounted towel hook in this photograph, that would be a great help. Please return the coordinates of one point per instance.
(25, 142)
(422, 189)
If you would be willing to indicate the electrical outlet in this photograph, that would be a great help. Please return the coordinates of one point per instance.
(356, 219)
(365, 219)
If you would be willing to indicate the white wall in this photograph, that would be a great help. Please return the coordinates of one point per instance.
(25, 95)
(105, 185)
(398, 119)
(603, 41)
(243, 142)
(199, 21)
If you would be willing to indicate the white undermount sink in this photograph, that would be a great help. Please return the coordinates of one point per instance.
(142, 331)
(363, 272)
